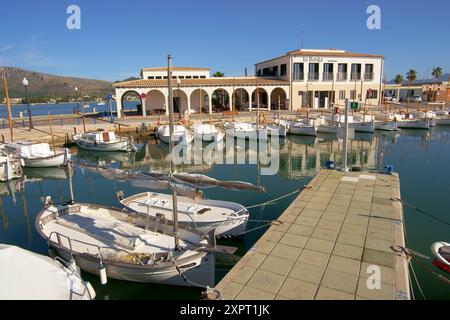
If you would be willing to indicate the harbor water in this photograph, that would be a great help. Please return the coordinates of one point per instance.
(420, 157)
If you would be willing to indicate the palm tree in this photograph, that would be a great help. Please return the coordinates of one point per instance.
(218, 74)
(411, 75)
(436, 73)
(398, 79)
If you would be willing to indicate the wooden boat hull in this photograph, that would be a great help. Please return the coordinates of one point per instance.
(414, 124)
(443, 122)
(203, 272)
(92, 248)
(386, 126)
(230, 222)
(363, 126)
(304, 131)
(113, 146)
(46, 162)
(328, 129)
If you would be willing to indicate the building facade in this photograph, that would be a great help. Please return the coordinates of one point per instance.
(298, 79)
(321, 78)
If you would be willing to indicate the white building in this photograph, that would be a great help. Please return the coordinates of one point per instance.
(319, 78)
(298, 79)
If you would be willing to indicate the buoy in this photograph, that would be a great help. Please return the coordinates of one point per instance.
(102, 271)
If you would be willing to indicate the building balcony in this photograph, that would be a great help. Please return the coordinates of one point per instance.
(355, 76)
(368, 76)
(313, 76)
(342, 76)
(328, 76)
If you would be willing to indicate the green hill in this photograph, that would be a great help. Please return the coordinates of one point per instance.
(44, 86)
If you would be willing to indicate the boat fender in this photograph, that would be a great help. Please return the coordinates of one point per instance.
(102, 272)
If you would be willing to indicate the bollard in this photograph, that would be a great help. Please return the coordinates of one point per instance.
(62, 121)
(78, 121)
(23, 123)
(4, 124)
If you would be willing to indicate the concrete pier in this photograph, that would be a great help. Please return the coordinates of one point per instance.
(334, 243)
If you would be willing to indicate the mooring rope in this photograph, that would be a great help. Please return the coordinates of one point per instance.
(421, 211)
(273, 201)
(409, 254)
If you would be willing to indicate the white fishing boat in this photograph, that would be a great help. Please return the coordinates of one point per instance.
(386, 125)
(228, 218)
(414, 124)
(30, 276)
(244, 130)
(104, 141)
(181, 135)
(37, 155)
(441, 250)
(207, 132)
(442, 121)
(329, 128)
(304, 127)
(10, 168)
(125, 245)
(442, 118)
(363, 126)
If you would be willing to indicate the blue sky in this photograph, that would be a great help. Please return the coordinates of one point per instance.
(118, 38)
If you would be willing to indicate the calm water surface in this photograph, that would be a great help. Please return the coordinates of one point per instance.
(422, 159)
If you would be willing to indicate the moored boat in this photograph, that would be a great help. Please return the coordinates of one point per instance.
(305, 128)
(30, 276)
(104, 141)
(386, 125)
(207, 132)
(228, 218)
(181, 135)
(414, 124)
(37, 155)
(441, 250)
(124, 245)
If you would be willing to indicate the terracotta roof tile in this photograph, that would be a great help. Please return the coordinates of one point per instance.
(217, 82)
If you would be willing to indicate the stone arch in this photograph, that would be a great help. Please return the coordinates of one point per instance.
(180, 101)
(155, 102)
(278, 94)
(263, 98)
(220, 100)
(199, 97)
(129, 104)
(241, 99)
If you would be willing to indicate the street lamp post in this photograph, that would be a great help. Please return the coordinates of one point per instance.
(25, 84)
(82, 108)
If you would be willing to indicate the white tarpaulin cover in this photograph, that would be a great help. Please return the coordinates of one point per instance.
(25, 275)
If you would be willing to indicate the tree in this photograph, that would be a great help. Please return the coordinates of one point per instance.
(411, 75)
(398, 79)
(218, 74)
(436, 73)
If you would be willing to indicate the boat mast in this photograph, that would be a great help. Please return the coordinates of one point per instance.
(200, 104)
(171, 143)
(257, 103)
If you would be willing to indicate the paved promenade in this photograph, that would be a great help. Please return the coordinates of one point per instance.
(332, 234)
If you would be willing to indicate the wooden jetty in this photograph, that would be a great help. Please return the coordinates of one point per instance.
(333, 236)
